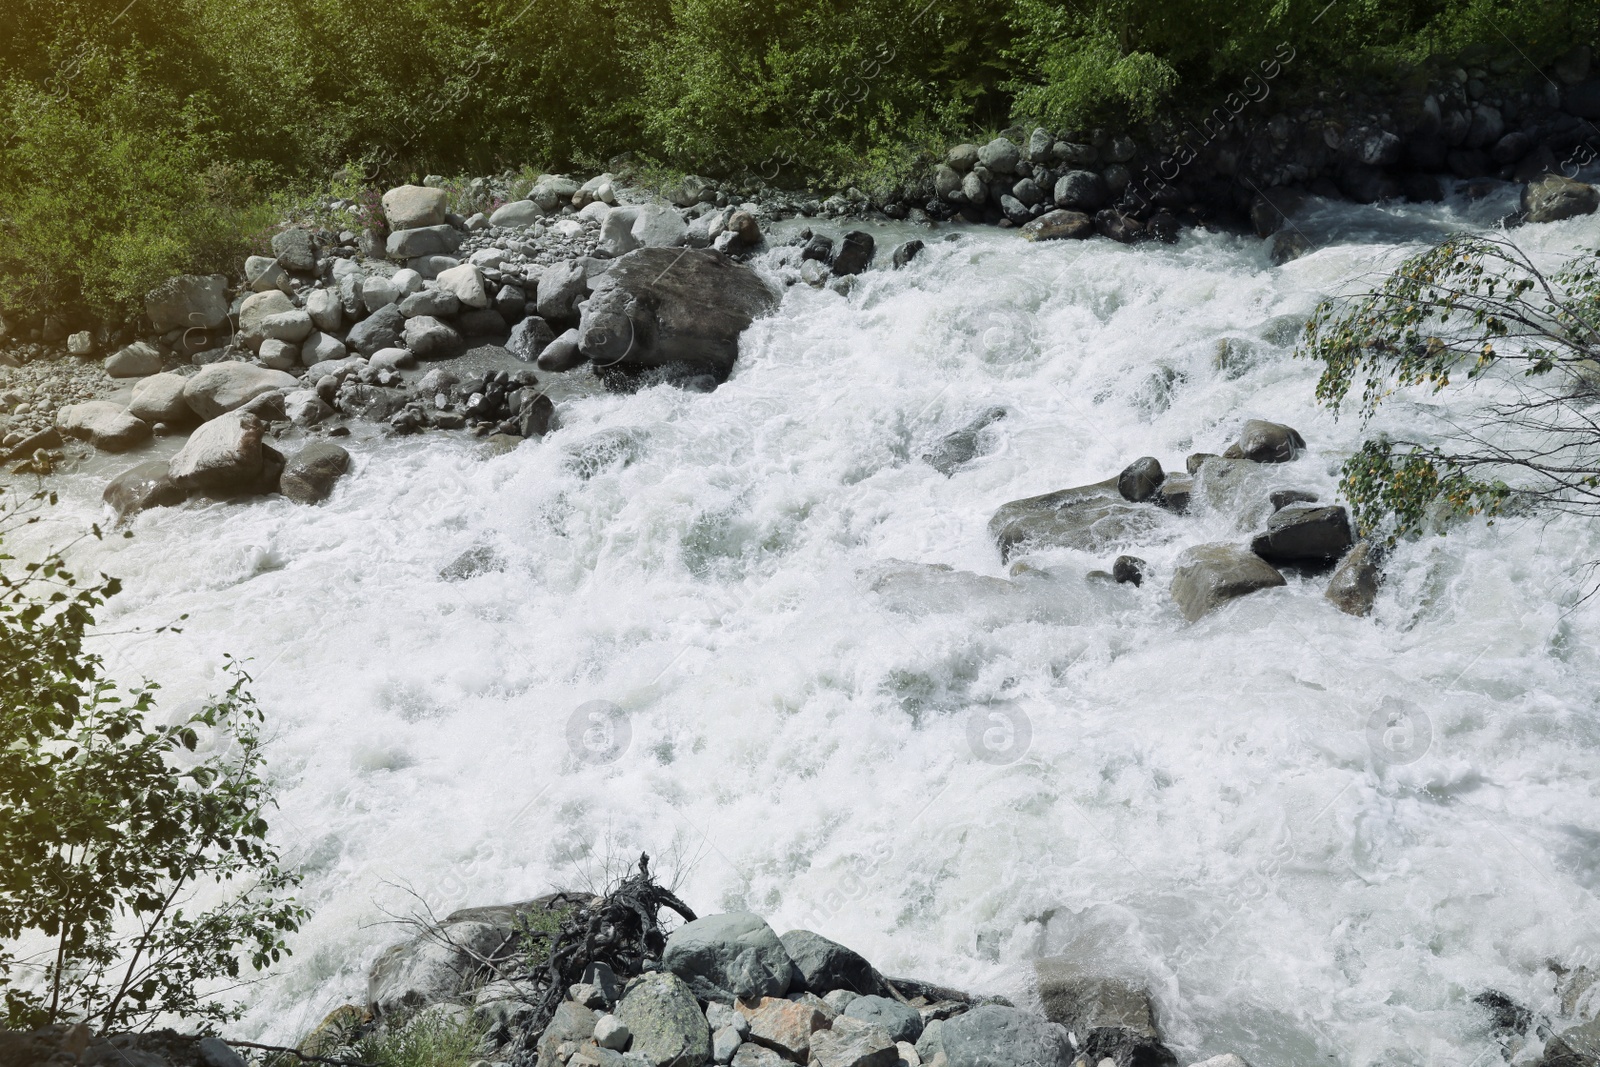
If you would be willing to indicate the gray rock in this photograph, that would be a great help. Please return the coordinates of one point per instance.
(562, 354)
(612, 1033)
(657, 307)
(264, 274)
(1266, 442)
(824, 966)
(1555, 197)
(1027, 192)
(1081, 190)
(422, 241)
(511, 302)
(616, 231)
(304, 407)
(440, 963)
(188, 301)
(159, 398)
(1576, 1046)
(103, 424)
(215, 1052)
(292, 326)
(1140, 479)
(572, 1023)
(552, 191)
(1129, 570)
(138, 360)
(224, 455)
(904, 253)
(668, 1028)
(1304, 533)
(1208, 576)
(946, 182)
(1015, 210)
(321, 348)
(391, 359)
(973, 190)
(1282, 498)
(853, 1044)
(931, 1043)
(255, 310)
(517, 215)
(839, 999)
(481, 322)
(439, 303)
(466, 282)
(561, 287)
(529, 338)
(963, 157)
(724, 1043)
(995, 1036)
(222, 387)
(80, 344)
(723, 957)
(149, 485)
(1054, 225)
(900, 1021)
(278, 355)
(1084, 1001)
(1354, 586)
(428, 338)
(295, 250)
(1091, 518)
(1000, 156)
(750, 1054)
(410, 206)
(658, 226)
(381, 329)
(854, 254)
(961, 446)
(325, 309)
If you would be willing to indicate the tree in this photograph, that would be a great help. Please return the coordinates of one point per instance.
(1477, 313)
(110, 824)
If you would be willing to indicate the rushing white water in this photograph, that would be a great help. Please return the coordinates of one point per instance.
(1202, 806)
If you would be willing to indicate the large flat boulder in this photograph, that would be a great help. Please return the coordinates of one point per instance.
(995, 1036)
(408, 206)
(149, 485)
(104, 425)
(668, 1027)
(1090, 518)
(659, 307)
(724, 957)
(1208, 576)
(1304, 533)
(224, 455)
(825, 965)
(222, 387)
(159, 398)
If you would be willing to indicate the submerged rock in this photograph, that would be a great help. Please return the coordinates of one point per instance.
(1091, 518)
(1555, 197)
(965, 444)
(1208, 576)
(309, 476)
(1353, 589)
(1304, 533)
(149, 485)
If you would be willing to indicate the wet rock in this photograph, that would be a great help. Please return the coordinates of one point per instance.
(824, 965)
(1354, 586)
(529, 338)
(1555, 197)
(188, 301)
(104, 425)
(854, 254)
(1081, 190)
(159, 398)
(1282, 498)
(1175, 492)
(900, 1021)
(1227, 1059)
(1208, 576)
(1055, 225)
(149, 485)
(995, 1036)
(408, 206)
(1576, 1046)
(1129, 570)
(224, 455)
(309, 476)
(659, 307)
(138, 360)
(784, 1026)
(562, 354)
(1091, 518)
(1140, 479)
(904, 253)
(1288, 245)
(537, 415)
(965, 444)
(1303, 533)
(1266, 442)
(222, 387)
(668, 1028)
(724, 957)
(1085, 1002)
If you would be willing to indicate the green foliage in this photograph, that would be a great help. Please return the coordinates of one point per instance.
(1474, 311)
(111, 825)
(430, 1038)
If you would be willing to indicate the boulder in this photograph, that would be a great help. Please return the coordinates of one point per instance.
(992, 1035)
(294, 249)
(465, 283)
(138, 360)
(422, 241)
(439, 303)
(381, 329)
(1282, 498)
(1140, 479)
(255, 310)
(657, 307)
(1304, 533)
(224, 455)
(561, 354)
(304, 407)
(149, 485)
(391, 359)
(750, 1054)
(1576, 1046)
(517, 215)
(904, 253)
(1091, 518)
(723, 957)
(1208, 576)
(561, 287)
(414, 205)
(784, 1026)
(325, 309)
(900, 1021)
(572, 1023)
(321, 348)
(1129, 570)
(1555, 197)
(1000, 156)
(962, 158)
(278, 355)
(1266, 442)
(658, 226)
(553, 190)
(222, 387)
(1081, 190)
(667, 1026)
(1055, 225)
(159, 398)
(725, 1042)
(428, 338)
(291, 327)
(481, 322)
(188, 301)
(103, 424)
(851, 1044)
(379, 290)
(1085, 1001)
(1354, 586)
(616, 231)
(442, 962)
(825, 965)
(612, 1033)
(511, 301)
(309, 475)
(854, 254)
(264, 274)
(529, 338)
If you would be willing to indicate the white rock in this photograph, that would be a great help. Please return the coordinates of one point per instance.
(221, 387)
(159, 398)
(377, 291)
(487, 257)
(293, 326)
(103, 424)
(596, 210)
(568, 228)
(616, 232)
(407, 281)
(305, 408)
(327, 314)
(80, 344)
(263, 274)
(611, 1032)
(279, 355)
(466, 282)
(659, 226)
(410, 206)
(138, 360)
(225, 453)
(320, 347)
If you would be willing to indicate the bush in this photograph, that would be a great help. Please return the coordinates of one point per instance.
(110, 826)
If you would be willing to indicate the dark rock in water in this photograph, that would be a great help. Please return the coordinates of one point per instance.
(529, 338)
(1163, 226)
(1175, 492)
(1577, 1046)
(1197, 459)
(824, 965)
(661, 306)
(905, 253)
(1140, 479)
(1555, 197)
(855, 253)
(1109, 1015)
(562, 353)
(1302, 533)
(1055, 225)
(1081, 190)
(1129, 570)
(722, 957)
(1354, 586)
(537, 415)
(954, 449)
(1288, 245)
(819, 247)
(1505, 1014)
(1091, 518)
(1266, 442)
(471, 563)
(309, 476)
(1282, 498)
(994, 1036)
(381, 329)
(900, 1021)
(1208, 576)
(1121, 228)
(149, 485)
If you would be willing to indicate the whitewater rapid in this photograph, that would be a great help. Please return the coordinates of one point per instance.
(810, 708)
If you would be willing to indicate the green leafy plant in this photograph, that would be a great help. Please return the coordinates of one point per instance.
(113, 827)
(1476, 313)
